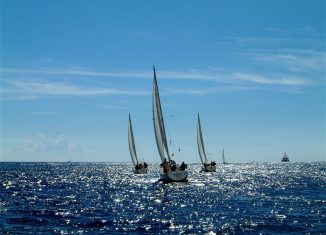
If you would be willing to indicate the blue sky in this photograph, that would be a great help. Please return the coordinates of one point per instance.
(71, 71)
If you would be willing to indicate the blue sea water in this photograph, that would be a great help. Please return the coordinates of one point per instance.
(288, 198)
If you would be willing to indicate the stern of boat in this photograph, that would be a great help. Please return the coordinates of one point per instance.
(174, 176)
(141, 171)
(209, 168)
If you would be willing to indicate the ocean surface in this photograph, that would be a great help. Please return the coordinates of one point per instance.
(102, 198)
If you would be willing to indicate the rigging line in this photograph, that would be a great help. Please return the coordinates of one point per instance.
(171, 129)
(177, 136)
(170, 142)
(172, 115)
(175, 143)
(174, 134)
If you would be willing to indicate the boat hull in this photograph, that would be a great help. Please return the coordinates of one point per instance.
(141, 171)
(209, 168)
(174, 176)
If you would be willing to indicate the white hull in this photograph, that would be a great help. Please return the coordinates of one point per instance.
(174, 176)
(141, 171)
(209, 168)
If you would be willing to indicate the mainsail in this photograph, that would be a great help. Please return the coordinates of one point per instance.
(159, 123)
(131, 142)
(200, 143)
(223, 158)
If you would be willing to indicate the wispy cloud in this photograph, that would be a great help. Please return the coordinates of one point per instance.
(32, 89)
(87, 72)
(42, 142)
(244, 82)
(274, 38)
(294, 60)
(248, 41)
(210, 90)
(296, 51)
(306, 31)
(253, 78)
(76, 71)
(61, 88)
(279, 67)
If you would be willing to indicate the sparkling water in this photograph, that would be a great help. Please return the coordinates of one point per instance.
(109, 198)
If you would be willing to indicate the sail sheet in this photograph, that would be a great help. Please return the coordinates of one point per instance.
(159, 128)
(131, 141)
(200, 143)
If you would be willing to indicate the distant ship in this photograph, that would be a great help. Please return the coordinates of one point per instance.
(285, 158)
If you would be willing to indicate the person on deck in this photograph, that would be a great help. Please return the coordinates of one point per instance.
(164, 162)
(173, 167)
(183, 166)
(166, 167)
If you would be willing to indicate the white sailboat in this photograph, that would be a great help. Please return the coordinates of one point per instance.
(223, 158)
(171, 172)
(139, 168)
(207, 167)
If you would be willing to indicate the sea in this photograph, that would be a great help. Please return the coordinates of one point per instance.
(107, 198)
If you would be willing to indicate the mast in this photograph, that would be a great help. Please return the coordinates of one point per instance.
(200, 142)
(131, 141)
(159, 128)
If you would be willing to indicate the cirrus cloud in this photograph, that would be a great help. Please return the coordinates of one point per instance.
(42, 142)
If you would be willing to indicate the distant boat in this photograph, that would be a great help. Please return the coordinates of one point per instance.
(207, 167)
(171, 172)
(139, 168)
(285, 158)
(223, 158)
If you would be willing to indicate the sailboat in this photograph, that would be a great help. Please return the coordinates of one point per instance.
(285, 158)
(139, 168)
(223, 158)
(171, 172)
(207, 167)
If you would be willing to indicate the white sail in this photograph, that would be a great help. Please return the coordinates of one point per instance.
(159, 123)
(200, 143)
(223, 158)
(131, 141)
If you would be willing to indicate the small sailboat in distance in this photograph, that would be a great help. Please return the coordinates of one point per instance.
(139, 168)
(207, 167)
(285, 158)
(223, 158)
(171, 171)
